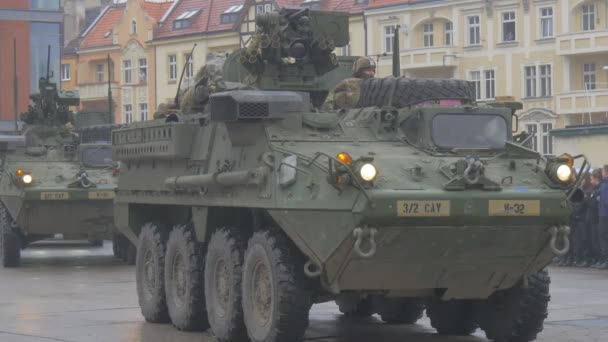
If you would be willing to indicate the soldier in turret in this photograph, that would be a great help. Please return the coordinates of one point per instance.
(346, 93)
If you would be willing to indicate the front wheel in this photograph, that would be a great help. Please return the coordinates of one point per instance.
(184, 280)
(150, 273)
(276, 300)
(399, 310)
(455, 317)
(517, 314)
(10, 243)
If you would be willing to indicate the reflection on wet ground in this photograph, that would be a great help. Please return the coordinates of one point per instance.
(71, 291)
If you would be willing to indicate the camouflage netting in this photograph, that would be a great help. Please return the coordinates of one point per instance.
(48, 136)
(209, 76)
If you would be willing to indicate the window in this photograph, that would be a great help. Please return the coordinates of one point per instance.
(133, 27)
(476, 78)
(547, 139)
(508, 27)
(490, 84)
(228, 18)
(128, 113)
(184, 20)
(546, 22)
(263, 8)
(127, 67)
(533, 131)
(530, 76)
(143, 70)
(143, 111)
(65, 72)
(545, 144)
(588, 17)
(389, 34)
(449, 34)
(99, 72)
(44, 4)
(189, 67)
(589, 76)
(361, 2)
(545, 80)
(172, 67)
(485, 89)
(428, 35)
(538, 81)
(474, 30)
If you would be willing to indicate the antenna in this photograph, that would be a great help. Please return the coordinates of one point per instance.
(396, 53)
(179, 85)
(48, 63)
(15, 86)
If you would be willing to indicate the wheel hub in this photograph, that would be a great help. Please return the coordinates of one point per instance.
(179, 278)
(262, 293)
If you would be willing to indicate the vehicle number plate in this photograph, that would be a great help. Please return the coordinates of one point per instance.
(54, 196)
(102, 195)
(423, 208)
(514, 208)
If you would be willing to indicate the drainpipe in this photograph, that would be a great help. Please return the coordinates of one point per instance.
(365, 32)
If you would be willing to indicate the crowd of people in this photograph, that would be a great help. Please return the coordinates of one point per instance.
(589, 224)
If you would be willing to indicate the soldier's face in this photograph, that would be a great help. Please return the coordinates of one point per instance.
(368, 73)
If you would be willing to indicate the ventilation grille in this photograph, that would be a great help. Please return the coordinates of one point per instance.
(253, 110)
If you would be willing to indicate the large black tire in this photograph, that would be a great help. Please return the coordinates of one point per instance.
(399, 310)
(276, 298)
(376, 92)
(10, 243)
(517, 314)
(362, 309)
(456, 317)
(223, 281)
(150, 273)
(184, 281)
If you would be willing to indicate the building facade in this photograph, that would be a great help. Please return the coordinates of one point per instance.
(549, 54)
(27, 28)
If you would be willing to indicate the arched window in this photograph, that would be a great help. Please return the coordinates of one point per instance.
(133, 27)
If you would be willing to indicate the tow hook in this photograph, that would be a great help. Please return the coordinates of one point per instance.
(360, 234)
(560, 232)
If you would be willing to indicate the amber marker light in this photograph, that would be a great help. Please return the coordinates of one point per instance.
(570, 160)
(345, 158)
(19, 172)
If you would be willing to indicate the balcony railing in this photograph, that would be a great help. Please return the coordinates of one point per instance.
(583, 101)
(95, 90)
(428, 57)
(582, 43)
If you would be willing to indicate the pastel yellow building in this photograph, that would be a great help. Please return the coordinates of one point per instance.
(549, 54)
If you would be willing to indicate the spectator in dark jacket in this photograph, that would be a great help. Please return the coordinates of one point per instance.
(593, 218)
(603, 216)
(581, 229)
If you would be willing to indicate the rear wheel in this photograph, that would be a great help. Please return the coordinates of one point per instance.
(223, 281)
(10, 243)
(517, 314)
(184, 280)
(399, 310)
(131, 253)
(455, 317)
(150, 273)
(276, 301)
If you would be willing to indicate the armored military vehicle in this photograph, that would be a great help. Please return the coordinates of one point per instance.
(51, 183)
(256, 204)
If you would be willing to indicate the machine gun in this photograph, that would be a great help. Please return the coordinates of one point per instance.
(50, 106)
(292, 49)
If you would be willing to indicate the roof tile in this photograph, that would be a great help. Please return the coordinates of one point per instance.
(98, 36)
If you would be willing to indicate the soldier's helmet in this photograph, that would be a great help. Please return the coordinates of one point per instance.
(363, 63)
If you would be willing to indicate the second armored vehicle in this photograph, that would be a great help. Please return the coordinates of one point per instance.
(52, 182)
(259, 204)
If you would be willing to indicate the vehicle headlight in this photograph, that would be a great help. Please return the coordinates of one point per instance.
(368, 172)
(27, 179)
(563, 173)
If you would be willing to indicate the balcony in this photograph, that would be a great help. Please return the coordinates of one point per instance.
(582, 43)
(581, 101)
(428, 57)
(95, 90)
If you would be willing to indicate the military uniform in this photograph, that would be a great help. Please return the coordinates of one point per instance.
(346, 94)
